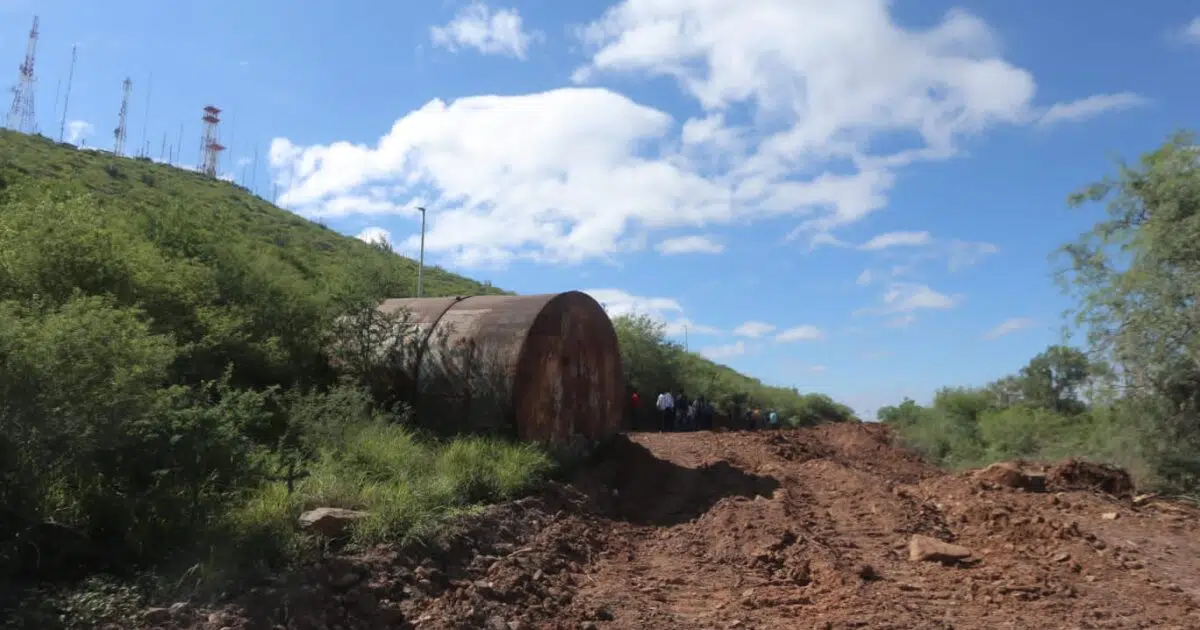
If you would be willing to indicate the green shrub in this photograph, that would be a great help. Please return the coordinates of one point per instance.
(410, 485)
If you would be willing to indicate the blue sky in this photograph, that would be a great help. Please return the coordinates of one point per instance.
(856, 197)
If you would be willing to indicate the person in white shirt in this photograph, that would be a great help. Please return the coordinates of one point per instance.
(666, 407)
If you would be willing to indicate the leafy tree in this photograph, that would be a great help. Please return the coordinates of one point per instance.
(964, 405)
(1133, 394)
(908, 412)
(1006, 391)
(651, 362)
(1137, 277)
(812, 409)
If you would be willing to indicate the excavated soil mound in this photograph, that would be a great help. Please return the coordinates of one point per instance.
(1076, 474)
(767, 530)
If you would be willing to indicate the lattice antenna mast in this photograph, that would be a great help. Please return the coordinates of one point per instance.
(62, 129)
(122, 118)
(21, 116)
(144, 149)
(211, 145)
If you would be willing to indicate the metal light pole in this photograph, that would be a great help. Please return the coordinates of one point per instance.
(421, 260)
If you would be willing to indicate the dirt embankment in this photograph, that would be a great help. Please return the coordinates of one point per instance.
(795, 529)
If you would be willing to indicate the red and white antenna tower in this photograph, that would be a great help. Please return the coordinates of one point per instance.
(122, 118)
(210, 145)
(21, 116)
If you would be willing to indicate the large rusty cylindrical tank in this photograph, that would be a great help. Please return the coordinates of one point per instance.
(544, 368)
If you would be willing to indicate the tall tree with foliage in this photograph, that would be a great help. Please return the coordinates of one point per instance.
(651, 361)
(1055, 379)
(1137, 277)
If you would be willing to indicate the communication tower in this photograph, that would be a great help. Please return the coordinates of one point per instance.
(210, 144)
(122, 117)
(21, 116)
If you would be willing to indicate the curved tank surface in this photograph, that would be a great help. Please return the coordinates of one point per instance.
(544, 368)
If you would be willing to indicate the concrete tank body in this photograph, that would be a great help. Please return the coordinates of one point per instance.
(545, 368)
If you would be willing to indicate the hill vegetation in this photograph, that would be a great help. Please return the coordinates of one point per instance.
(164, 391)
(1130, 393)
(167, 401)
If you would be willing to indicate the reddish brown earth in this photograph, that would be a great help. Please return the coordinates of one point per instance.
(792, 529)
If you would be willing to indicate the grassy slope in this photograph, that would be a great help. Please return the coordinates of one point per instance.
(308, 250)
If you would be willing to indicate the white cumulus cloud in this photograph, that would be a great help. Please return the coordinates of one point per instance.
(963, 254)
(898, 239)
(754, 329)
(79, 131)
(902, 321)
(689, 245)
(578, 174)
(617, 303)
(1009, 326)
(727, 351)
(915, 248)
(477, 26)
(375, 235)
(800, 333)
(902, 298)
(1090, 107)
(667, 311)
(554, 173)
(686, 327)
(1191, 31)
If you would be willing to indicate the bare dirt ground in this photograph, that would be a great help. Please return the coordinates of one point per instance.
(767, 530)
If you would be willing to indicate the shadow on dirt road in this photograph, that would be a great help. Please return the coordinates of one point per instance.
(629, 483)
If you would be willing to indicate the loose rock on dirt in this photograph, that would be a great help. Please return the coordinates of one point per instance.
(1010, 475)
(926, 549)
(766, 530)
(330, 522)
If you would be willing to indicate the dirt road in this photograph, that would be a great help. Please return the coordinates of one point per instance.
(770, 530)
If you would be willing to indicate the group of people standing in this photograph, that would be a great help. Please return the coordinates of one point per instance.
(676, 412)
(680, 413)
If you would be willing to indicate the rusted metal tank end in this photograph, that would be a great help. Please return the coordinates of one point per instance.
(569, 383)
(543, 367)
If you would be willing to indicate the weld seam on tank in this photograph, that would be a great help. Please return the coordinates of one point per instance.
(420, 355)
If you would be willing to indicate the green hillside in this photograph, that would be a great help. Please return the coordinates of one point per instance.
(165, 393)
(179, 240)
(163, 200)
(237, 279)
